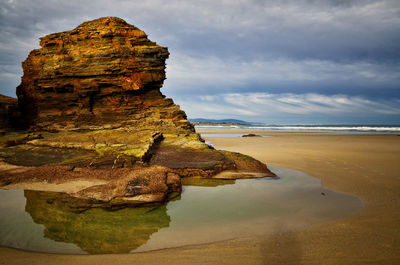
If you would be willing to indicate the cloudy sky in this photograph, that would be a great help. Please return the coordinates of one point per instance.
(282, 61)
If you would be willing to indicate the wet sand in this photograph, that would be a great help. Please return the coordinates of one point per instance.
(367, 166)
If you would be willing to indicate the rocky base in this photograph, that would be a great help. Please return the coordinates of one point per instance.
(114, 168)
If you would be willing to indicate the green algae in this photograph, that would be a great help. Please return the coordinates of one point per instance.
(28, 155)
(206, 182)
(17, 138)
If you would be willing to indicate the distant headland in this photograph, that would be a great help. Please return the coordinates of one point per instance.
(201, 121)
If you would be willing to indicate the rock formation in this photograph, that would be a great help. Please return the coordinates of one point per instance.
(251, 135)
(91, 97)
(103, 74)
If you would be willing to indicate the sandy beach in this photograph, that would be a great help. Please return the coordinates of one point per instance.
(367, 166)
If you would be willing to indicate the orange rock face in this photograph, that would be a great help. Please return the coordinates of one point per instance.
(105, 72)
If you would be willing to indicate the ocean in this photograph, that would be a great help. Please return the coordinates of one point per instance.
(332, 129)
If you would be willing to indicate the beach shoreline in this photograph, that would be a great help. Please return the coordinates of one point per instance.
(367, 166)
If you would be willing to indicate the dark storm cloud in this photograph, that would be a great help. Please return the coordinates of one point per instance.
(324, 47)
(328, 30)
(331, 30)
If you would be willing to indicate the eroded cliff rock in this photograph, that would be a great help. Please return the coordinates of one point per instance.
(92, 97)
(103, 74)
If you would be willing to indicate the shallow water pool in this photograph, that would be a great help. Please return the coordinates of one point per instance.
(206, 211)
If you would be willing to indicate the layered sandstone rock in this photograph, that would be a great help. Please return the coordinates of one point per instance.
(92, 97)
(103, 74)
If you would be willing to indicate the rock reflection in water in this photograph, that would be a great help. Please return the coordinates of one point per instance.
(95, 230)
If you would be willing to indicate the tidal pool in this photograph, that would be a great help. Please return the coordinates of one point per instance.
(206, 211)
